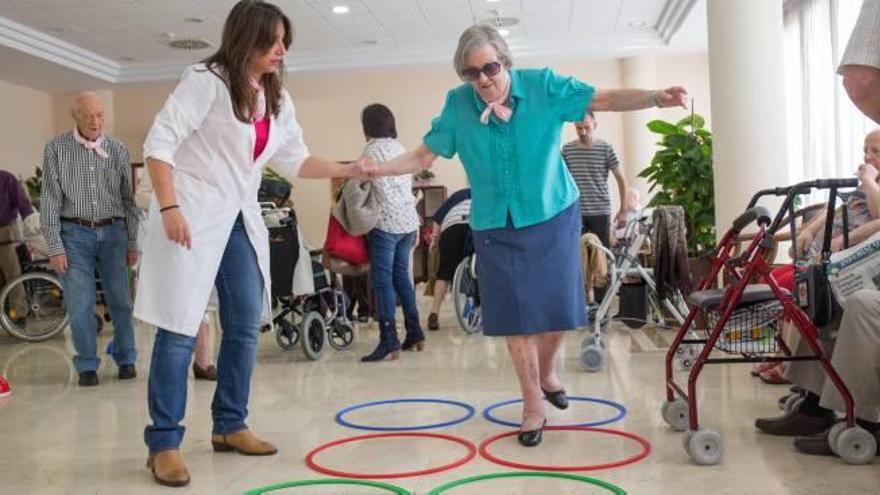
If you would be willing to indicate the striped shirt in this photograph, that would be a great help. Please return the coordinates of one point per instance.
(455, 210)
(77, 183)
(590, 167)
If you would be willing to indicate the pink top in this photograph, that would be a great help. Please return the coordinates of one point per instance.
(262, 128)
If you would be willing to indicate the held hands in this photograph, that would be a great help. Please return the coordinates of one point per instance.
(365, 169)
(674, 96)
(176, 227)
(132, 258)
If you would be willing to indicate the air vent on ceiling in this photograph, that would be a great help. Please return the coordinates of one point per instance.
(189, 44)
(502, 22)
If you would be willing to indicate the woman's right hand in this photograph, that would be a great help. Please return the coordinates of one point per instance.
(176, 227)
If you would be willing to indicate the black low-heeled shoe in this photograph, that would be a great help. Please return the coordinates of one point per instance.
(558, 399)
(531, 438)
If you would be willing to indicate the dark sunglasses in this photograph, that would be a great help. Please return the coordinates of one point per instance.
(473, 73)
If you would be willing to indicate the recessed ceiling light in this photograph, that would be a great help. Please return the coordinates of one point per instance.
(340, 9)
(637, 24)
(503, 32)
(194, 20)
(369, 42)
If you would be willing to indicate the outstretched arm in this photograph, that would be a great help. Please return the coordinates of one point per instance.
(624, 100)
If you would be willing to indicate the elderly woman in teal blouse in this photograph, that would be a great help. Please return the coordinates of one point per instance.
(505, 125)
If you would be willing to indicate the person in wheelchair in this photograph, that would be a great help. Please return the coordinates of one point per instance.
(14, 207)
(451, 236)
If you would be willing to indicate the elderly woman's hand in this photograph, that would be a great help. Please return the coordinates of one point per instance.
(365, 169)
(868, 173)
(801, 244)
(675, 96)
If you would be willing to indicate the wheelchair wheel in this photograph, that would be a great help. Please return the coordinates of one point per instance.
(45, 311)
(465, 296)
(340, 334)
(314, 335)
(286, 333)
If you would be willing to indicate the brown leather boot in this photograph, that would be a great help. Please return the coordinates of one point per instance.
(168, 468)
(243, 442)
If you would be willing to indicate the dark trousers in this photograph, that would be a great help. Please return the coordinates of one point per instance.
(357, 289)
(600, 225)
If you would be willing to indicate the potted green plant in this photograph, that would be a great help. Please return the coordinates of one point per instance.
(681, 174)
(424, 177)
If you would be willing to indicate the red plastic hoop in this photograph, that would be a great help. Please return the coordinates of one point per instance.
(646, 451)
(472, 452)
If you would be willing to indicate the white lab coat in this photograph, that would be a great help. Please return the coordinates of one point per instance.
(215, 178)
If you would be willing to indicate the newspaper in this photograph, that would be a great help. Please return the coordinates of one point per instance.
(854, 269)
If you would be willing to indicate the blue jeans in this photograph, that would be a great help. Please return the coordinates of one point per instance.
(105, 250)
(389, 272)
(240, 292)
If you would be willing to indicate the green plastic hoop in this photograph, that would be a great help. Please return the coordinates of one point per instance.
(616, 490)
(329, 481)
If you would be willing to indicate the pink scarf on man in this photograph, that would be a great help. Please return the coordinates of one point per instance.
(498, 107)
(90, 145)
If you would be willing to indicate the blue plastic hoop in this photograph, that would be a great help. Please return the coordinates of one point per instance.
(340, 416)
(621, 412)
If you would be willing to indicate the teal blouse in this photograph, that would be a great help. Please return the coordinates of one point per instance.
(515, 168)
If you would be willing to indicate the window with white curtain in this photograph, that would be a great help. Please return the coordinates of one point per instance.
(825, 129)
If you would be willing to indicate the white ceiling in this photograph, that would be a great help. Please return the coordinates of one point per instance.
(119, 41)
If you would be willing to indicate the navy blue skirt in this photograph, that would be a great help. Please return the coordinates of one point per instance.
(530, 278)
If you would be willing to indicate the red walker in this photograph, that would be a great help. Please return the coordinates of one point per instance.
(744, 319)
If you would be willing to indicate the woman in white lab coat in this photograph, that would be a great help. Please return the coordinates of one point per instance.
(203, 362)
(227, 117)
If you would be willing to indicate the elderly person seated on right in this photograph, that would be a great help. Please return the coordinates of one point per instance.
(856, 357)
(863, 210)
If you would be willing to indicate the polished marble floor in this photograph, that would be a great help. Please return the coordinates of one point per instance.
(56, 438)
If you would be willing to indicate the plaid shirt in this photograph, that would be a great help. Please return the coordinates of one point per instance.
(77, 183)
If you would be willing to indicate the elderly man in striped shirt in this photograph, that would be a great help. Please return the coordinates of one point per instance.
(89, 220)
(589, 160)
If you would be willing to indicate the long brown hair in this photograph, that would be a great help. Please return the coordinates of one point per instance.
(249, 31)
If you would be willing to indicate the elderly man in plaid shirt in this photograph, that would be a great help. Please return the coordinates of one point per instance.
(89, 220)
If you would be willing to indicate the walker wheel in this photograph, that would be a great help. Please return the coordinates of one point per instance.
(856, 446)
(834, 434)
(593, 358)
(706, 447)
(676, 414)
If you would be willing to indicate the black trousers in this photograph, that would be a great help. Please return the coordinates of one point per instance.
(357, 289)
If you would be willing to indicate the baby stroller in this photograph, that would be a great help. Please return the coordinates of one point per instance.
(624, 263)
(314, 319)
(745, 319)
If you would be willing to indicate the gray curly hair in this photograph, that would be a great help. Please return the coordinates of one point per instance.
(474, 38)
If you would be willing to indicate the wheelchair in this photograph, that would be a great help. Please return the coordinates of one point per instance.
(45, 312)
(466, 295)
(312, 320)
